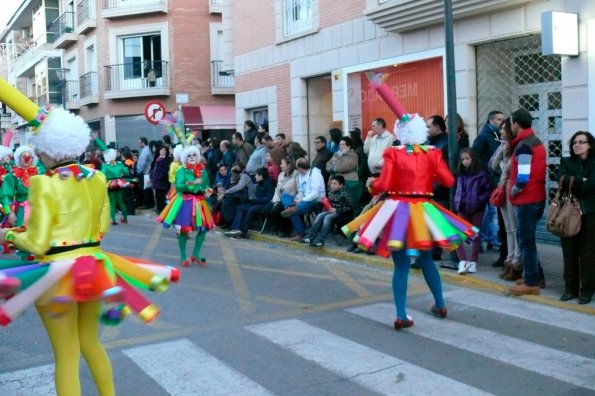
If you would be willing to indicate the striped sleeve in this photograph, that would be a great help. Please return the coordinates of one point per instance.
(524, 157)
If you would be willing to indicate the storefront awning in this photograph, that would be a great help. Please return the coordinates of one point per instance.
(210, 117)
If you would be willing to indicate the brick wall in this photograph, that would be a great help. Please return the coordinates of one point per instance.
(254, 25)
(275, 76)
(334, 13)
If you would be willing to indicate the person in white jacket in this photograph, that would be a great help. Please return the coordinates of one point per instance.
(311, 190)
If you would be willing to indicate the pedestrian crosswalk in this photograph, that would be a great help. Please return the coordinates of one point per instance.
(184, 367)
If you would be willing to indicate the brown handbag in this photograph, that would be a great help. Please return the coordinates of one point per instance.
(564, 213)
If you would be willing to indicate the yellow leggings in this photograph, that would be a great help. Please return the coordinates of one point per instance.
(76, 332)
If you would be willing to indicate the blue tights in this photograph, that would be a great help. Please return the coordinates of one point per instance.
(401, 274)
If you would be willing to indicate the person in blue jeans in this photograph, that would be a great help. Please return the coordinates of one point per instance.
(311, 191)
(527, 177)
(340, 211)
(245, 213)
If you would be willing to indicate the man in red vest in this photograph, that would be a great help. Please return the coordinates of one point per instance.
(527, 176)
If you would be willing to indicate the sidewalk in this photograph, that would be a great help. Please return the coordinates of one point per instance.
(486, 277)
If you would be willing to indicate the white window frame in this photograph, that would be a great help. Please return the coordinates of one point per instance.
(288, 30)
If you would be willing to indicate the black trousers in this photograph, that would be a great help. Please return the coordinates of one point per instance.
(579, 258)
(273, 212)
(502, 236)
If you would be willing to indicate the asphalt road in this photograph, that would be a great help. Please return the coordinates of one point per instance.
(263, 318)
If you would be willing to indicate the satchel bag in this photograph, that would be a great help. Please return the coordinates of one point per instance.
(564, 213)
(498, 196)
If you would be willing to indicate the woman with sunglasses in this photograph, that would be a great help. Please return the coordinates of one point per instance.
(578, 251)
(188, 211)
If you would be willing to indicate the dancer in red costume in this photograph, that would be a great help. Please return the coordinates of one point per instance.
(407, 223)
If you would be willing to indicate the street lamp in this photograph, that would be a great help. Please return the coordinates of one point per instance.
(61, 75)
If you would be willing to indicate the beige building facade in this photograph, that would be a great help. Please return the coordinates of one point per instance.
(305, 65)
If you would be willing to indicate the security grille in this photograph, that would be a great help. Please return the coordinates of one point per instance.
(512, 74)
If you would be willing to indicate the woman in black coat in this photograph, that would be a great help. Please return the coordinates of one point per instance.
(159, 177)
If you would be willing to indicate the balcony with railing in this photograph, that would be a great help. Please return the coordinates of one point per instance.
(61, 31)
(137, 79)
(72, 95)
(88, 88)
(85, 16)
(123, 8)
(215, 6)
(222, 83)
(29, 56)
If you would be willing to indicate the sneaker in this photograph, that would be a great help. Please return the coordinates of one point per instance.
(232, 233)
(471, 266)
(306, 239)
(462, 267)
(317, 244)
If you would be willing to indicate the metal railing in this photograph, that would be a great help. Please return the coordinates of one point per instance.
(62, 25)
(83, 11)
(72, 91)
(88, 84)
(111, 4)
(220, 79)
(137, 75)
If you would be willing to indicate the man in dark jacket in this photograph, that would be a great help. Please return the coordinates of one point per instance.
(488, 140)
(243, 150)
(323, 155)
(438, 138)
(485, 145)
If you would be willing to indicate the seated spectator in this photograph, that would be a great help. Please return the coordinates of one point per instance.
(257, 159)
(311, 191)
(340, 212)
(245, 213)
(286, 185)
(295, 151)
(242, 149)
(322, 157)
(273, 167)
(236, 195)
(222, 177)
(344, 162)
(227, 156)
(335, 136)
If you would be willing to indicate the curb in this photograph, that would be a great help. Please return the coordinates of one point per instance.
(448, 276)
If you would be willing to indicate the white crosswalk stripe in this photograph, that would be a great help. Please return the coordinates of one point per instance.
(372, 369)
(520, 309)
(182, 368)
(35, 381)
(564, 366)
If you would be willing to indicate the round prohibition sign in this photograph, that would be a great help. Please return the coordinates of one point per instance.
(154, 111)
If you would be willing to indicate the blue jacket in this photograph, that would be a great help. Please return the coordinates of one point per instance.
(472, 192)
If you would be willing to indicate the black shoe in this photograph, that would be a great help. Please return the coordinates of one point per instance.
(498, 263)
(584, 299)
(567, 296)
(357, 251)
(352, 248)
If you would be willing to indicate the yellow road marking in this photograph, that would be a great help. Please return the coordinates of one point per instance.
(237, 278)
(348, 281)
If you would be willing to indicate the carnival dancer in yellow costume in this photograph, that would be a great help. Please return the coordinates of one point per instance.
(73, 283)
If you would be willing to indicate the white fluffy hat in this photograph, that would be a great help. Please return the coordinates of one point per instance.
(109, 155)
(62, 135)
(411, 129)
(188, 150)
(24, 149)
(178, 152)
(4, 152)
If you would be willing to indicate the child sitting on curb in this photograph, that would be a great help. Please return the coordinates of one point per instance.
(339, 210)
